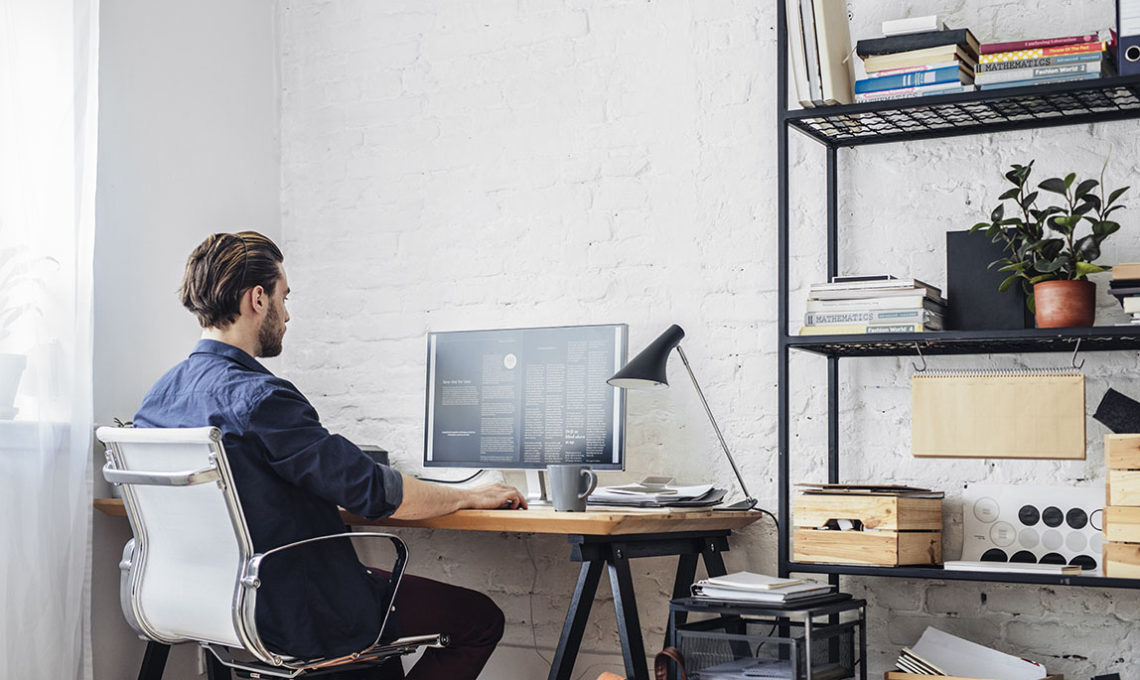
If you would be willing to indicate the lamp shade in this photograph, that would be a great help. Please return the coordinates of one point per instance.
(647, 369)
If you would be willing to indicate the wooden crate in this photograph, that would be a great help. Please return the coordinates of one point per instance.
(1121, 560)
(1122, 524)
(1122, 451)
(896, 531)
(878, 548)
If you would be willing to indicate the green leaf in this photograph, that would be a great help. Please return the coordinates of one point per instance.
(1009, 281)
(1085, 187)
(979, 226)
(1069, 179)
(1054, 185)
(1116, 194)
(1086, 268)
(1087, 248)
(1029, 199)
(1048, 266)
(1009, 195)
(1039, 279)
(998, 213)
(1083, 208)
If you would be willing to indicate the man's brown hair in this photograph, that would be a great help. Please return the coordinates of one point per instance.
(221, 269)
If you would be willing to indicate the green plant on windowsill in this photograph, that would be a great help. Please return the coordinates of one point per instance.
(18, 284)
(1042, 244)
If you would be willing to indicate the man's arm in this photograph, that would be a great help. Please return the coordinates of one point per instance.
(424, 500)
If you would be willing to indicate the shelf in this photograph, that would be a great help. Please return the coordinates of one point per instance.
(940, 573)
(1096, 338)
(971, 113)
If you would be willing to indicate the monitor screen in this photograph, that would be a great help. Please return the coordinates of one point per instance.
(525, 398)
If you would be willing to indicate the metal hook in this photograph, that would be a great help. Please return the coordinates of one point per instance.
(1073, 361)
(919, 350)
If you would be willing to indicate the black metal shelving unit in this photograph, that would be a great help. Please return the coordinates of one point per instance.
(970, 113)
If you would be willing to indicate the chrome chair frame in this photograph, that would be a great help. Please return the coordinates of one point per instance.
(136, 557)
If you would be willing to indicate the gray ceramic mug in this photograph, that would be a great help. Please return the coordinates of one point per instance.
(569, 486)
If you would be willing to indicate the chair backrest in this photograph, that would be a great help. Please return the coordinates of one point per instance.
(191, 540)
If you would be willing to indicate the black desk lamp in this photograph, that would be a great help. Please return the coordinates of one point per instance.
(646, 371)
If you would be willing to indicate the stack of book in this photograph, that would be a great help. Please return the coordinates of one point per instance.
(926, 58)
(1047, 60)
(745, 586)
(1125, 286)
(873, 304)
(819, 42)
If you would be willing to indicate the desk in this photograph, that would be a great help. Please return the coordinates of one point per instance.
(598, 539)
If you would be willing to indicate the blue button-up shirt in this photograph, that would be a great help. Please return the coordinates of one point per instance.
(291, 474)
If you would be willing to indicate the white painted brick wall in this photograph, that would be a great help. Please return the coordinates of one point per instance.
(454, 165)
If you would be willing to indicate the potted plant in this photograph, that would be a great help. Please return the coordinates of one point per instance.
(16, 280)
(1044, 253)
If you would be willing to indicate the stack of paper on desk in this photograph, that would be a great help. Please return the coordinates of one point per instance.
(748, 587)
(940, 653)
(638, 496)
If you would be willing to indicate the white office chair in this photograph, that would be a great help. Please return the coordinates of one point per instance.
(190, 573)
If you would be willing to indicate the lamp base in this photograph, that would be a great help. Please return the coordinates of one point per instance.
(746, 504)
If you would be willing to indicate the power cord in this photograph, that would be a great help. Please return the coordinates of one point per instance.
(769, 513)
(451, 481)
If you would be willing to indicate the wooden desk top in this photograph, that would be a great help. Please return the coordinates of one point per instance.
(608, 522)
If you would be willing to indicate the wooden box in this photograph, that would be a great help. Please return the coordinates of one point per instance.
(1121, 560)
(1122, 524)
(896, 530)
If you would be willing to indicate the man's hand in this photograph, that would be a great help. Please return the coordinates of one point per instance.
(490, 496)
(423, 500)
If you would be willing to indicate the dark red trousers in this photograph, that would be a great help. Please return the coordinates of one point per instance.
(472, 621)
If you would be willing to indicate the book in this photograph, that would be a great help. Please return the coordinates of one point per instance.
(912, 69)
(811, 50)
(913, 25)
(1039, 81)
(1038, 61)
(961, 37)
(747, 580)
(798, 56)
(1126, 270)
(866, 283)
(1042, 52)
(788, 594)
(916, 57)
(1023, 567)
(900, 490)
(958, 657)
(1033, 73)
(954, 73)
(833, 38)
(915, 300)
(923, 316)
(912, 92)
(864, 329)
(864, 294)
(993, 48)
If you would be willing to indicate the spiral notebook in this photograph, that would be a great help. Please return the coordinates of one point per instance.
(998, 414)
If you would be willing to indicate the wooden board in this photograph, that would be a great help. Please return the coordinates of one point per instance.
(1122, 451)
(877, 548)
(875, 512)
(1121, 560)
(607, 522)
(1123, 487)
(1122, 523)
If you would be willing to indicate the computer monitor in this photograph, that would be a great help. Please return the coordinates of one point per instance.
(525, 398)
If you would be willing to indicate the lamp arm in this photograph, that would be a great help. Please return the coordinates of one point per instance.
(705, 403)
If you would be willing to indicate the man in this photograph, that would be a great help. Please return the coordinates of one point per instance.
(291, 474)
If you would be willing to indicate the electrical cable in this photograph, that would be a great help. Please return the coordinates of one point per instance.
(451, 481)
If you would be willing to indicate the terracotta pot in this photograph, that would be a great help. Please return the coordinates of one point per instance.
(1065, 304)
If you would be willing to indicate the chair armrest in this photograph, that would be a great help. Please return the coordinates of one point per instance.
(184, 478)
(251, 580)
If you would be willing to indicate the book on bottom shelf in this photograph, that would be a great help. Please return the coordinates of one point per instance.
(865, 329)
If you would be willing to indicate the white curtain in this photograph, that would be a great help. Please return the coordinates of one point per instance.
(48, 94)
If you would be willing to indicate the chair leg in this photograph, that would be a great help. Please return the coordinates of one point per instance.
(154, 661)
(216, 670)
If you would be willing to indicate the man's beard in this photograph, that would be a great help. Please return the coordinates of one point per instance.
(271, 333)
